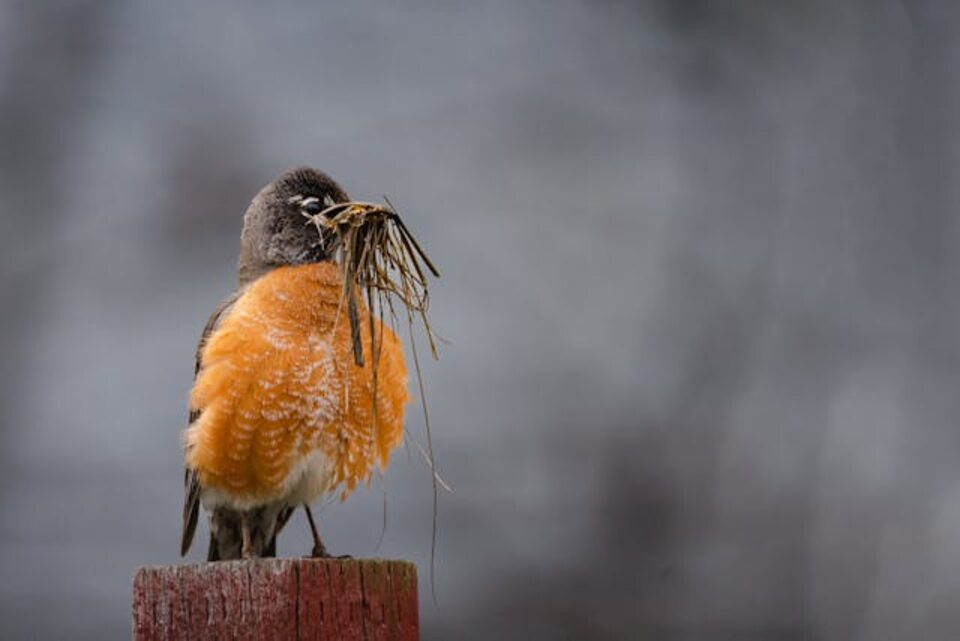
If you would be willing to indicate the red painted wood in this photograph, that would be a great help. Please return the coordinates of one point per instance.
(274, 599)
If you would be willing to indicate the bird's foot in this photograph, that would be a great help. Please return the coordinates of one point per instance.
(321, 553)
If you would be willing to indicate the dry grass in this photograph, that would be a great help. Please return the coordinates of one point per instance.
(383, 262)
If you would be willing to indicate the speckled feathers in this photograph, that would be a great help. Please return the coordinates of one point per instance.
(280, 398)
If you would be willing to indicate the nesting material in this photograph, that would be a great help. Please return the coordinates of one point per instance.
(380, 260)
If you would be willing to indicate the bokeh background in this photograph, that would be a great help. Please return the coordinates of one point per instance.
(700, 265)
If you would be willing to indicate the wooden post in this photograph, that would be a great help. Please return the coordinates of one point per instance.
(278, 599)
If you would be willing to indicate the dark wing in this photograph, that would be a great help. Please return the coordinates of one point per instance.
(191, 480)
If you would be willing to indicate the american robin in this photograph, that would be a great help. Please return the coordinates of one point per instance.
(281, 414)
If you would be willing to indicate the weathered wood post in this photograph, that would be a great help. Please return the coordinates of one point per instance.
(277, 599)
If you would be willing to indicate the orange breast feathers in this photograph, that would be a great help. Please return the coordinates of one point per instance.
(279, 386)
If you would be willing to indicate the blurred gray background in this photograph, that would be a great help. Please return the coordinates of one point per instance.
(699, 286)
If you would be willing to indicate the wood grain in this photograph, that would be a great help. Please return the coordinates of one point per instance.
(274, 599)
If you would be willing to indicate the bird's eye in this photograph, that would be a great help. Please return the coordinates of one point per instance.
(313, 208)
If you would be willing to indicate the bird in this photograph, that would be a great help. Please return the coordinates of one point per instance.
(281, 414)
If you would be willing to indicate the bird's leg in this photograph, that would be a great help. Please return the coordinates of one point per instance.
(247, 550)
(319, 549)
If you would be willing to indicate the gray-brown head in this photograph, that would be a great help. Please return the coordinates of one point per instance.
(276, 230)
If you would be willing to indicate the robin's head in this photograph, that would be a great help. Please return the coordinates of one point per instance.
(277, 229)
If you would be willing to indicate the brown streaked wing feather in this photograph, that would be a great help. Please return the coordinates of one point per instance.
(191, 481)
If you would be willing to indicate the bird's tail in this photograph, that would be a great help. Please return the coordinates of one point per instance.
(263, 523)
